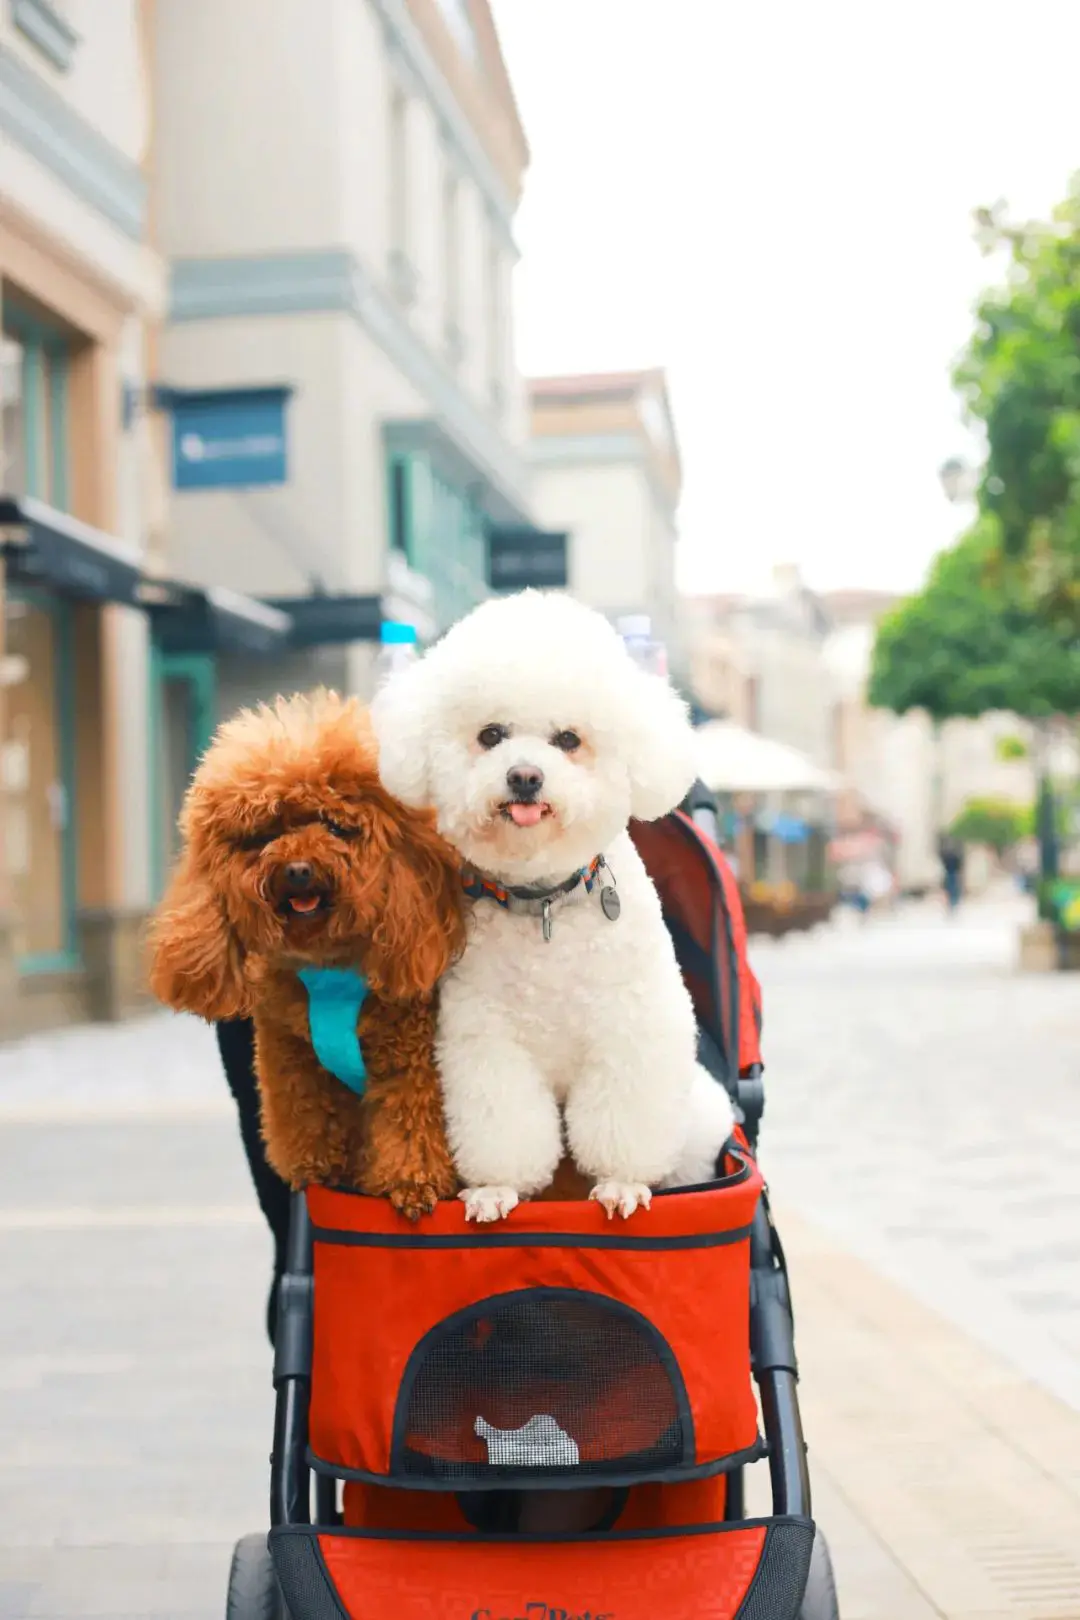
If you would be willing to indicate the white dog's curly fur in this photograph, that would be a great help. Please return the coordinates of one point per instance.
(591, 1032)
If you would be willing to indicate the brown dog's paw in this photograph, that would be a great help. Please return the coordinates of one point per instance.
(414, 1199)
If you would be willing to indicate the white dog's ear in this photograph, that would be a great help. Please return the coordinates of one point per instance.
(662, 757)
(398, 716)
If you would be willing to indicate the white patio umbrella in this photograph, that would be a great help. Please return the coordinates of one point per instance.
(734, 760)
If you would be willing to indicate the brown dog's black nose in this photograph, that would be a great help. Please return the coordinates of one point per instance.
(525, 781)
(298, 876)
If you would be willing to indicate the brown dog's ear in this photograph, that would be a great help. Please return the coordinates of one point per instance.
(422, 927)
(196, 960)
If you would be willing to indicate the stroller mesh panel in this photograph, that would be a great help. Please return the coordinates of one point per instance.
(545, 1382)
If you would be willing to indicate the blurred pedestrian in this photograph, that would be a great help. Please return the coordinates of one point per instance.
(1026, 865)
(878, 883)
(952, 866)
(852, 886)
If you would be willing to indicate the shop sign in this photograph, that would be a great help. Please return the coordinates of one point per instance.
(234, 439)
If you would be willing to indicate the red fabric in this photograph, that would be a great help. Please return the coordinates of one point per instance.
(682, 1577)
(693, 879)
(374, 1304)
(648, 1507)
(383, 1507)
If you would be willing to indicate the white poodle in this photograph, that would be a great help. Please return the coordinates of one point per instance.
(537, 738)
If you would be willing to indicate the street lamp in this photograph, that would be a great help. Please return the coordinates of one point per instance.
(960, 484)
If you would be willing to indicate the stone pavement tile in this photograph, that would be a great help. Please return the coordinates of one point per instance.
(16, 1597)
(871, 1584)
(940, 1451)
(124, 1580)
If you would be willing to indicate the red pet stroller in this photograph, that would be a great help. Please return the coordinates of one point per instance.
(432, 1380)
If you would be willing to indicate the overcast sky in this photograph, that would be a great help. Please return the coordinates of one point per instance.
(773, 201)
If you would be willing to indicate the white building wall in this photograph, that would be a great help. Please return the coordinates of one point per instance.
(248, 128)
(104, 88)
(104, 81)
(330, 518)
(795, 690)
(76, 137)
(915, 775)
(606, 510)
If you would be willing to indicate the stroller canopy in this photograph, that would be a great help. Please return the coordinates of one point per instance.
(703, 912)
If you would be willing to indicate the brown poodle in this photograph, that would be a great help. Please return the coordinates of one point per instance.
(296, 858)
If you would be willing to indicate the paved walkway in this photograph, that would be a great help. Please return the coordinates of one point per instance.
(923, 1127)
(924, 1110)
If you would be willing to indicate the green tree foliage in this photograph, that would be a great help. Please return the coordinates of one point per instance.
(1011, 748)
(998, 823)
(973, 641)
(1020, 377)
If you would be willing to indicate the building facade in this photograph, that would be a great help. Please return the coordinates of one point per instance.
(760, 661)
(606, 470)
(81, 497)
(901, 768)
(337, 187)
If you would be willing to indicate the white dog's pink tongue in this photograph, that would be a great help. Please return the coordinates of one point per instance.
(526, 815)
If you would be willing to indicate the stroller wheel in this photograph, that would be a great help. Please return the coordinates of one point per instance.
(820, 1600)
(254, 1593)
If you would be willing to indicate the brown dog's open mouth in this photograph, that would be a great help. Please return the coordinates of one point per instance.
(305, 905)
(526, 813)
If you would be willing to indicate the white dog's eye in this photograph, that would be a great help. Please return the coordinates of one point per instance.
(492, 736)
(568, 741)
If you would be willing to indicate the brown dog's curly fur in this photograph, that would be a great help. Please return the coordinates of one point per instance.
(299, 782)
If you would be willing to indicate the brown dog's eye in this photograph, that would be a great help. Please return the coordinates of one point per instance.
(338, 830)
(252, 842)
(568, 741)
(492, 736)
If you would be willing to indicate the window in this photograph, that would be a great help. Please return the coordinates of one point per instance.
(35, 778)
(402, 270)
(37, 767)
(452, 265)
(399, 506)
(33, 379)
(440, 530)
(455, 14)
(13, 426)
(494, 315)
(47, 24)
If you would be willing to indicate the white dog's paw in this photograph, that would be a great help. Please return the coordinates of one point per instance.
(488, 1203)
(621, 1197)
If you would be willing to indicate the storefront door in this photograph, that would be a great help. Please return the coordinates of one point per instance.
(37, 742)
(37, 776)
(184, 699)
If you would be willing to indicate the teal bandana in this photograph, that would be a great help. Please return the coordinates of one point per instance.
(335, 997)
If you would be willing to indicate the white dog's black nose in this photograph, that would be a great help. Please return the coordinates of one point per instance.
(525, 781)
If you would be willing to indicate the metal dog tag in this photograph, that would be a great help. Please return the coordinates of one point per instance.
(610, 904)
(545, 913)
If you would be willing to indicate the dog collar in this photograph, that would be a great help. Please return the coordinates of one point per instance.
(335, 997)
(538, 902)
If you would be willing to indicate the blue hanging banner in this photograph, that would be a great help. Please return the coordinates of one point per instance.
(229, 439)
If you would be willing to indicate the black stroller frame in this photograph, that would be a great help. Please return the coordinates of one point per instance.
(300, 1496)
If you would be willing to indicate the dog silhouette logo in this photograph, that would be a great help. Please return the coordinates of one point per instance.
(540, 1443)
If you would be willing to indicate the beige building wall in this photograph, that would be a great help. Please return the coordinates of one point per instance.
(605, 467)
(917, 777)
(77, 264)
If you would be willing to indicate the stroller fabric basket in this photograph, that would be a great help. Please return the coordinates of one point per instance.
(748, 1571)
(556, 1349)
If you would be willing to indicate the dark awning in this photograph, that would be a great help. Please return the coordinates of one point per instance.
(193, 619)
(329, 620)
(522, 556)
(44, 547)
